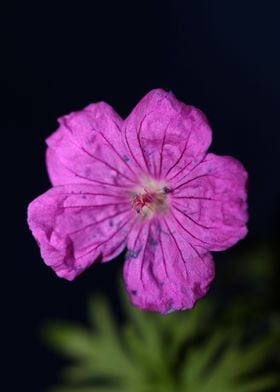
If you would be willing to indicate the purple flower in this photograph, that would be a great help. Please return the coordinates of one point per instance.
(146, 183)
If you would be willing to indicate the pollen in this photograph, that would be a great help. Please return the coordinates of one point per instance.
(151, 198)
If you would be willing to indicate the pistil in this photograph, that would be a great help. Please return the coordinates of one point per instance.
(151, 199)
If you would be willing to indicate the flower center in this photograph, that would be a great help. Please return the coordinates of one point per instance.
(150, 198)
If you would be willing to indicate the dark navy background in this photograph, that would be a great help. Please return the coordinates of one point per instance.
(221, 56)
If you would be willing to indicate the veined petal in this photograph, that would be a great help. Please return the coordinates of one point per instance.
(76, 225)
(164, 136)
(87, 148)
(163, 272)
(209, 204)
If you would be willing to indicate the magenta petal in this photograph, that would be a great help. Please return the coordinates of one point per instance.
(87, 148)
(209, 205)
(163, 272)
(165, 136)
(75, 225)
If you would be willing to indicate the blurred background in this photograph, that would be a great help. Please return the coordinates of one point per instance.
(56, 57)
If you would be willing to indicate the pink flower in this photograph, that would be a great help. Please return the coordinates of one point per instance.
(146, 183)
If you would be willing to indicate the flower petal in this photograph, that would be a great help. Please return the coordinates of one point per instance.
(209, 204)
(163, 272)
(75, 225)
(165, 136)
(87, 148)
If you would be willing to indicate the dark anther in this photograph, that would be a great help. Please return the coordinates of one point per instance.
(166, 189)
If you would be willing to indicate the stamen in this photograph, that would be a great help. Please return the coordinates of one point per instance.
(151, 198)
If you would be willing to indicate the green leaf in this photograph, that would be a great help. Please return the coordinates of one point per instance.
(199, 358)
(73, 341)
(259, 384)
(183, 352)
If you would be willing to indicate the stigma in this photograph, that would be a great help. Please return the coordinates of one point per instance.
(150, 198)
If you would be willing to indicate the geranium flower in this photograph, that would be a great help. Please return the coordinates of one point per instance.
(146, 183)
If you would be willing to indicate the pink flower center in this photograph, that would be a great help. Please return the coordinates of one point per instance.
(150, 198)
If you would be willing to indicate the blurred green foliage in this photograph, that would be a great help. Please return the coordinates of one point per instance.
(208, 349)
